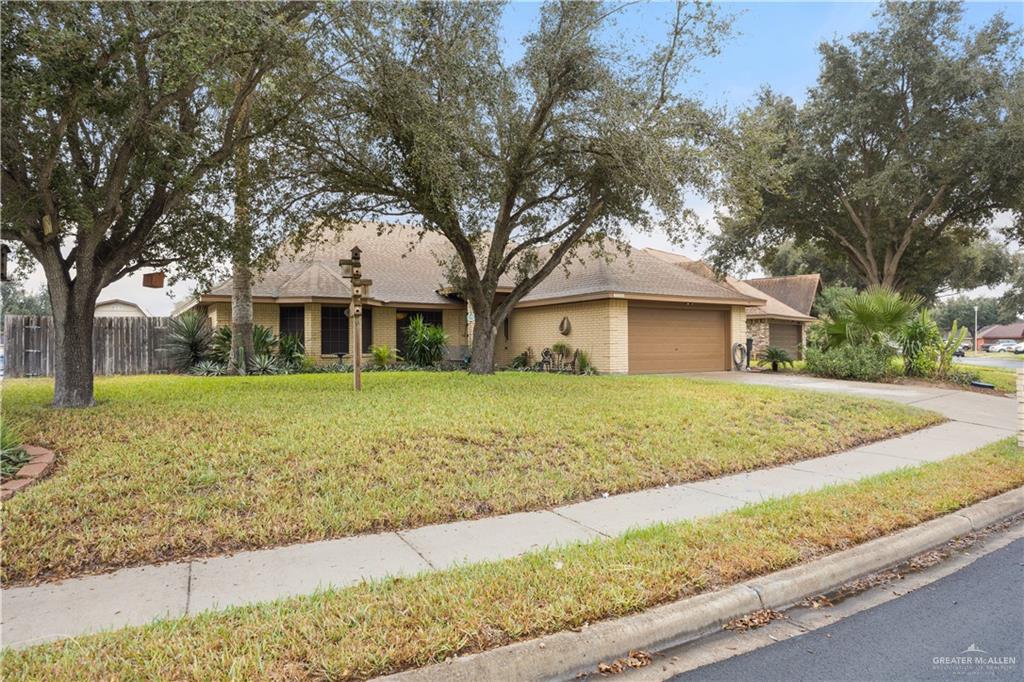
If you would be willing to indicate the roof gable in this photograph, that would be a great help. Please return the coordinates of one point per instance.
(796, 291)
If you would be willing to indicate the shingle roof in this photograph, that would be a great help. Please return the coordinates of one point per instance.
(407, 267)
(404, 267)
(1014, 330)
(769, 307)
(633, 271)
(796, 291)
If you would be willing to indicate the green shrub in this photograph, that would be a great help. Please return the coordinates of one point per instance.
(263, 343)
(523, 360)
(861, 363)
(383, 356)
(919, 341)
(424, 343)
(290, 352)
(946, 348)
(584, 365)
(874, 317)
(188, 340)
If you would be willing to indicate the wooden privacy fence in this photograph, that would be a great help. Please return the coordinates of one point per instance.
(120, 345)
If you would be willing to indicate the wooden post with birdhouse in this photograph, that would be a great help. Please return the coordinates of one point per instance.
(352, 270)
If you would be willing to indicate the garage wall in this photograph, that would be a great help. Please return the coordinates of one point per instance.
(738, 327)
(594, 325)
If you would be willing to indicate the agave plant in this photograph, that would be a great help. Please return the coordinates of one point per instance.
(208, 368)
(264, 363)
(775, 356)
(188, 339)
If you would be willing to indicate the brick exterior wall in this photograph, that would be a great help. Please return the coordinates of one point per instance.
(598, 327)
(738, 328)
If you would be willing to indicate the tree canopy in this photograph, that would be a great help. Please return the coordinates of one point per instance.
(117, 120)
(904, 151)
(518, 165)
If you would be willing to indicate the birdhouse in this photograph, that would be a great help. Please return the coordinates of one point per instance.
(153, 280)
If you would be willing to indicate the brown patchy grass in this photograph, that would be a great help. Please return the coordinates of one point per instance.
(168, 467)
(382, 627)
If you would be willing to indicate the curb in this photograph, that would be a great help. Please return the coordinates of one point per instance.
(40, 465)
(566, 654)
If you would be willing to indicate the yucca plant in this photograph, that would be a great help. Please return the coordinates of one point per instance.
(775, 356)
(188, 339)
(290, 352)
(944, 356)
(424, 343)
(263, 343)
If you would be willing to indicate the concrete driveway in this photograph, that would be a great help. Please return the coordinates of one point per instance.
(993, 410)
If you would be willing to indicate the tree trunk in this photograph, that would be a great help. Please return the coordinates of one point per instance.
(482, 354)
(73, 322)
(242, 351)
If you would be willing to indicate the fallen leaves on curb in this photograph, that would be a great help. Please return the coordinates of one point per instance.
(636, 659)
(753, 620)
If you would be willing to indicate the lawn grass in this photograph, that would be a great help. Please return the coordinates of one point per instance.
(1005, 380)
(168, 467)
(381, 627)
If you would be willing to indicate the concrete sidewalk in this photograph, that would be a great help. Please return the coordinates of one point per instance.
(139, 595)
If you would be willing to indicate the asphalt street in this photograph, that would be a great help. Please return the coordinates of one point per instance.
(996, 360)
(968, 625)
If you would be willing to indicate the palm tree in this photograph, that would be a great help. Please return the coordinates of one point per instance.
(874, 316)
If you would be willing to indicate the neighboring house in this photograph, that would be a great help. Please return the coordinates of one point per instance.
(1000, 332)
(633, 313)
(783, 321)
(116, 307)
(773, 322)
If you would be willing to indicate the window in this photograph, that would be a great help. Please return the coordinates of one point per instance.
(291, 321)
(333, 330)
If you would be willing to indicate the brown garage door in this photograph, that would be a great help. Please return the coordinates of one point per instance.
(676, 339)
(785, 336)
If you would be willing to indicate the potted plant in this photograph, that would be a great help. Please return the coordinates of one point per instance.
(775, 356)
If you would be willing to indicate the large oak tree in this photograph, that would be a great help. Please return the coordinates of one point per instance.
(903, 153)
(117, 120)
(520, 164)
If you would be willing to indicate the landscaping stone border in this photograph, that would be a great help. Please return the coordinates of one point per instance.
(40, 465)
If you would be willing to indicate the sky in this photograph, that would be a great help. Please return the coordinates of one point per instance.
(773, 43)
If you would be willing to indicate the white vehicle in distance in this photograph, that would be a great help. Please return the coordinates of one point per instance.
(1003, 346)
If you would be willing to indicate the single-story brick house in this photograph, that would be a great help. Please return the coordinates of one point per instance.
(1000, 332)
(774, 322)
(633, 313)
